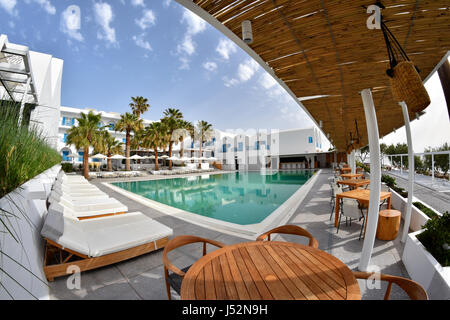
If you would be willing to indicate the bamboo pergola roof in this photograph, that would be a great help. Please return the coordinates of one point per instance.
(324, 48)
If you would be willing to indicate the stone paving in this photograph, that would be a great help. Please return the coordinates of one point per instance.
(143, 277)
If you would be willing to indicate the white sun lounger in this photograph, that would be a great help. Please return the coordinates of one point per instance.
(95, 243)
(87, 210)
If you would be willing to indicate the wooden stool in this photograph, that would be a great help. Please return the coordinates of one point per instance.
(388, 224)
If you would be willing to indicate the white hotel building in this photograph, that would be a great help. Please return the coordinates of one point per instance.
(68, 119)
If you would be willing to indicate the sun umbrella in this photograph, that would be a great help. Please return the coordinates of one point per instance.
(118, 157)
(213, 159)
(184, 159)
(174, 159)
(164, 157)
(136, 157)
(99, 156)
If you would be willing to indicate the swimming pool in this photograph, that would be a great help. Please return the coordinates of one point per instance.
(242, 198)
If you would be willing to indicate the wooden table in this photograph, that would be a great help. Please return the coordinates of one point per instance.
(361, 195)
(269, 270)
(352, 175)
(355, 183)
(344, 170)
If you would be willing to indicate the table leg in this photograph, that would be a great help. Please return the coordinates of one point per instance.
(389, 203)
(338, 209)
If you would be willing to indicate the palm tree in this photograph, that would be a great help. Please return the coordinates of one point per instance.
(87, 134)
(204, 133)
(191, 131)
(109, 145)
(172, 119)
(139, 106)
(129, 123)
(155, 137)
(181, 133)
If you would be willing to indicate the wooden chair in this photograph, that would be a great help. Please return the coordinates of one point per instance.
(290, 229)
(175, 278)
(414, 290)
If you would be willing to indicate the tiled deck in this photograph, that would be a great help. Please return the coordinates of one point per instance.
(143, 277)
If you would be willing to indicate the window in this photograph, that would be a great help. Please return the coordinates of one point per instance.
(257, 145)
(64, 121)
(241, 146)
(112, 126)
(65, 138)
(310, 140)
(80, 156)
(124, 140)
(224, 148)
(65, 156)
(72, 122)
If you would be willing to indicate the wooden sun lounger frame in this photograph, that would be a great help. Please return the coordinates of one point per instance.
(67, 257)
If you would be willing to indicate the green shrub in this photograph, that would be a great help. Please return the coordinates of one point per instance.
(67, 167)
(436, 238)
(430, 213)
(24, 152)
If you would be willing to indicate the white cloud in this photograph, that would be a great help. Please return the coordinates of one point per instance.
(71, 23)
(267, 81)
(230, 82)
(184, 63)
(9, 6)
(195, 24)
(210, 66)
(245, 72)
(141, 42)
(247, 69)
(187, 47)
(104, 16)
(148, 19)
(167, 3)
(46, 4)
(225, 48)
(138, 3)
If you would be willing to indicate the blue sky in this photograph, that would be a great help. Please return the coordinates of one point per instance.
(155, 49)
(159, 50)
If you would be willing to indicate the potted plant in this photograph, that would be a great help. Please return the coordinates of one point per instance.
(426, 257)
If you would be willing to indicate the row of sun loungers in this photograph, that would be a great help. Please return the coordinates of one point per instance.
(86, 228)
(190, 168)
(116, 174)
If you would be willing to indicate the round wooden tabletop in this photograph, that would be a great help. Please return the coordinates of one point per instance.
(269, 270)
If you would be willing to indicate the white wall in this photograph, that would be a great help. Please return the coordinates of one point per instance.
(27, 209)
(47, 74)
(293, 142)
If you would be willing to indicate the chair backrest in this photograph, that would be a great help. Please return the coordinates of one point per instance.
(337, 189)
(350, 208)
(414, 290)
(290, 229)
(182, 241)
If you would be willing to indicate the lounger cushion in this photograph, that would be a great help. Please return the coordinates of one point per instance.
(66, 232)
(121, 232)
(80, 211)
(102, 236)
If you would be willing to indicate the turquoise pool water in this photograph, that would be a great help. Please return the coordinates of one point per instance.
(241, 198)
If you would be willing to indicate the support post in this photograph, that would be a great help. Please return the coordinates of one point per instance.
(22, 104)
(432, 168)
(375, 179)
(353, 161)
(410, 172)
(401, 164)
